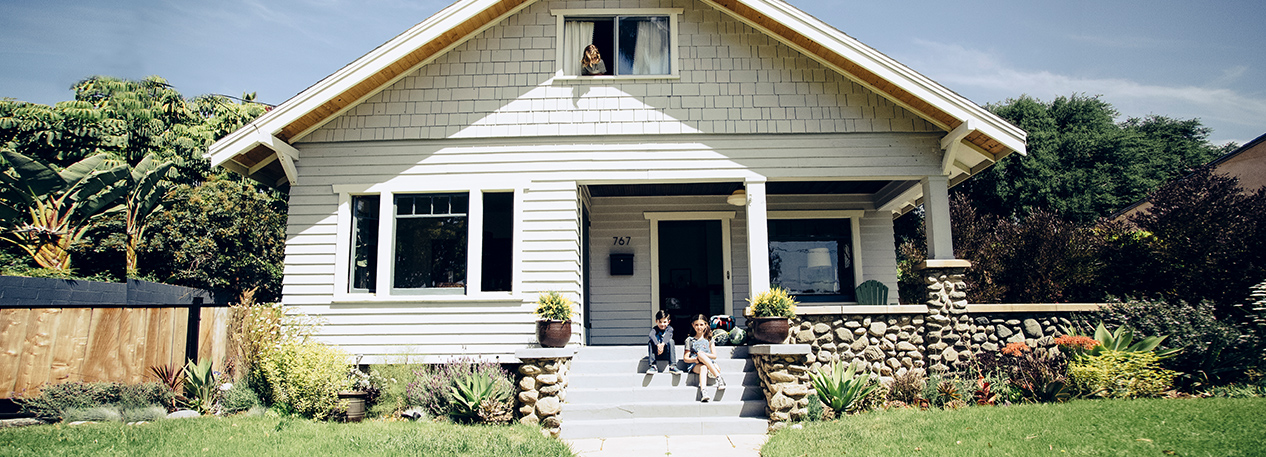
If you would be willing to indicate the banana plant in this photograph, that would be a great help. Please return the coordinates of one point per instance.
(145, 198)
(1122, 339)
(46, 210)
(841, 389)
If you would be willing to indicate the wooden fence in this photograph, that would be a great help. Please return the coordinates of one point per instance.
(41, 346)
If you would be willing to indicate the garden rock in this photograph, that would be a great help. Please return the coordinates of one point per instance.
(183, 414)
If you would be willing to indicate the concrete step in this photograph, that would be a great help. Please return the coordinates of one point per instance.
(635, 352)
(639, 365)
(745, 408)
(598, 380)
(615, 396)
(661, 426)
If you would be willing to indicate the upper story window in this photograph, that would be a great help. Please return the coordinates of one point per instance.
(629, 43)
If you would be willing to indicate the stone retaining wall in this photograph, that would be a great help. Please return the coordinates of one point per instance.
(990, 332)
(887, 343)
(784, 378)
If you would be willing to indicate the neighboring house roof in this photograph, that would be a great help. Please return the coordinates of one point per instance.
(1248, 164)
(266, 142)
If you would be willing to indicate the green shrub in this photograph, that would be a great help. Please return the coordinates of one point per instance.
(305, 377)
(238, 398)
(57, 400)
(1236, 391)
(433, 386)
(94, 414)
(1120, 374)
(146, 413)
(392, 396)
(815, 409)
(145, 394)
(1214, 350)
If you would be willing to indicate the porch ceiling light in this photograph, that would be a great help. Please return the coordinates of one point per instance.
(738, 198)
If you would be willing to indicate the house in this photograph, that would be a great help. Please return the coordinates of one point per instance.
(440, 182)
(1247, 164)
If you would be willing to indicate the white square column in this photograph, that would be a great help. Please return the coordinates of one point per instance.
(757, 238)
(936, 218)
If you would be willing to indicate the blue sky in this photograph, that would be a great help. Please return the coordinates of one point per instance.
(1181, 59)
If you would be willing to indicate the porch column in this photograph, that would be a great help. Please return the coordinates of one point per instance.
(936, 218)
(757, 238)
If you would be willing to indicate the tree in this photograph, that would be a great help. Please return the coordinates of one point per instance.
(1081, 164)
(47, 210)
(223, 235)
(145, 196)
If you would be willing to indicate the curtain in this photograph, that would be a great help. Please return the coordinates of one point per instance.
(650, 54)
(576, 35)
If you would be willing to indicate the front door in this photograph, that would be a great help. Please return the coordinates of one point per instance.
(692, 274)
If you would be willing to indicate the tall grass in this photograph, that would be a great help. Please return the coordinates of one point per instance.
(272, 436)
(1213, 427)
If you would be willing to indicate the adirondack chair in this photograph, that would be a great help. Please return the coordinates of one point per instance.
(872, 293)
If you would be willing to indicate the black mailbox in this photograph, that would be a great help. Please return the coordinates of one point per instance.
(621, 264)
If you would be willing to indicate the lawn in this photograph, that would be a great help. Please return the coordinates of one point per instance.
(1192, 427)
(273, 436)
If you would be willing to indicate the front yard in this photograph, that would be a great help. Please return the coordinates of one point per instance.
(1191, 427)
(274, 436)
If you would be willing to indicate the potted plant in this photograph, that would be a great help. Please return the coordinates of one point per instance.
(553, 330)
(769, 316)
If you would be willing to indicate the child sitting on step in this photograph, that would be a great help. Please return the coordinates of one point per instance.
(700, 354)
(660, 345)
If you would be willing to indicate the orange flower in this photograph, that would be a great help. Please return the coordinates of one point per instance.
(1077, 342)
(1016, 349)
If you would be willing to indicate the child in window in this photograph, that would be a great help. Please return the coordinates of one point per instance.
(700, 355)
(591, 64)
(660, 345)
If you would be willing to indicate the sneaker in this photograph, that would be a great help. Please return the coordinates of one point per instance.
(674, 370)
(704, 397)
(651, 369)
(720, 382)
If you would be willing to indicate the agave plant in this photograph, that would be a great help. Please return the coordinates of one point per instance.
(1121, 339)
(841, 389)
(469, 394)
(200, 386)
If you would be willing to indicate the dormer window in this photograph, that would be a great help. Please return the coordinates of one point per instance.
(631, 43)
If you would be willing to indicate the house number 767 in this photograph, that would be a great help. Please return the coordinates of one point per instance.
(621, 240)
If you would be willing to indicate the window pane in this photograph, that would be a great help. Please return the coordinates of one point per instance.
(578, 34)
(644, 46)
(430, 252)
(364, 242)
(812, 258)
(498, 241)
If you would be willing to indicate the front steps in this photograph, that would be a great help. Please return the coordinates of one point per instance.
(610, 395)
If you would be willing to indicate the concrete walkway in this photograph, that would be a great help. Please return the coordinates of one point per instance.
(681, 445)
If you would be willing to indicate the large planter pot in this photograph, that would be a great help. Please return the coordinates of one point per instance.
(355, 404)
(770, 330)
(552, 333)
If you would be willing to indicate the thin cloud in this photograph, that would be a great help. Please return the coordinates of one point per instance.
(959, 67)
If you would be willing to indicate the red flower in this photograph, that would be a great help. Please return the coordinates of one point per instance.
(1077, 342)
(1017, 348)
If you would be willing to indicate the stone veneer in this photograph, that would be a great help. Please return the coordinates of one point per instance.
(542, 389)
(888, 343)
(990, 332)
(784, 378)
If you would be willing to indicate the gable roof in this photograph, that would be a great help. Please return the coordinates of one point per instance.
(262, 150)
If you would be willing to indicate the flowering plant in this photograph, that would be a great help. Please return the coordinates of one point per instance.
(775, 302)
(554, 306)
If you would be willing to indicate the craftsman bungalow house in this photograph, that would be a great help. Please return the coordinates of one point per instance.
(443, 180)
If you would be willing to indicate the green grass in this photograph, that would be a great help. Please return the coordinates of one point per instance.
(273, 436)
(1193, 427)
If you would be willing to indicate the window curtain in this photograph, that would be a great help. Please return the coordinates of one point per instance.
(576, 36)
(650, 55)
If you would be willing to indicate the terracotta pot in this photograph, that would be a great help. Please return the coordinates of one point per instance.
(552, 333)
(355, 405)
(769, 330)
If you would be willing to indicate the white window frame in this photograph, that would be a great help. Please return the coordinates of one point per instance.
(855, 221)
(385, 273)
(673, 32)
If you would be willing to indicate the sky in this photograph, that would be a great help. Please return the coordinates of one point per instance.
(1180, 59)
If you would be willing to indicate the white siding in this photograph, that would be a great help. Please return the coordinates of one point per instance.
(733, 79)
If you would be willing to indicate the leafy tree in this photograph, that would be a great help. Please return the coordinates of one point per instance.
(1081, 164)
(223, 235)
(47, 210)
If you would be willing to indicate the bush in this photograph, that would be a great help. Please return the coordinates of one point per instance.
(1120, 374)
(1039, 378)
(54, 401)
(238, 398)
(1214, 350)
(908, 387)
(94, 414)
(305, 377)
(148, 414)
(392, 395)
(433, 387)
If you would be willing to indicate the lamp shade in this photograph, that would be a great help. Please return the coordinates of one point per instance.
(819, 257)
(738, 198)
